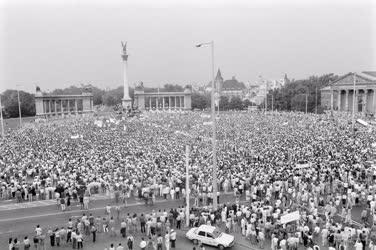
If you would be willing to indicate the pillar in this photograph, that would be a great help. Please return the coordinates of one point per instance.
(169, 102)
(364, 101)
(175, 102)
(68, 107)
(61, 107)
(55, 107)
(339, 100)
(356, 101)
(180, 102)
(50, 102)
(347, 100)
(331, 100)
(76, 106)
(163, 102)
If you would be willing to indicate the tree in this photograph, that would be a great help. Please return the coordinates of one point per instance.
(200, 101)
(224, 103)
(236, 103)
(172, 88)
(10, 102)
(292, 95)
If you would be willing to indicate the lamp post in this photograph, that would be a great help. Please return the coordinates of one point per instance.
(214, 140)
(19, 104)
(1, 117)
(353, 109)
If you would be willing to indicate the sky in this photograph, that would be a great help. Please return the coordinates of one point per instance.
(55, 44)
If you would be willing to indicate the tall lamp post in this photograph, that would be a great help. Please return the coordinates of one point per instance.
(353, 109)
(214, 140)
(1, 117)
(19, 104)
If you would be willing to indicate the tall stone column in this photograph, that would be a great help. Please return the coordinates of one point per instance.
(339, 99)
(331, 100)
(181, 103)
(76, 106)
(126, 101)
(61, 107)
(163, 102)
(68, 101)
(50, 102)
(156, 102)
(169, 102)
(356, 101)
(347, 101)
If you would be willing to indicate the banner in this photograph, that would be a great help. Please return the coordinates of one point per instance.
(290, 217)
(364, 123)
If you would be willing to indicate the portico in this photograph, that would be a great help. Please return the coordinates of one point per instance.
(162, 100)
(55, 105)
(342, 96)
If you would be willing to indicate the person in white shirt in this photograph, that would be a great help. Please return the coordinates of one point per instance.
(143, 244)
(120, 247)
(358, 245)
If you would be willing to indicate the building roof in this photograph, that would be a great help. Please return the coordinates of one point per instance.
(370, 73)
(219, 75)
(233, 84)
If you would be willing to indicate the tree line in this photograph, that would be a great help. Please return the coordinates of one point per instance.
(291, 97)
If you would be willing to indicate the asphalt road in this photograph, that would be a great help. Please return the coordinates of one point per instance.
(22, 221)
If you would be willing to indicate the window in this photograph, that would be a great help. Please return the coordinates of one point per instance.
(201, 233)
(209, 236)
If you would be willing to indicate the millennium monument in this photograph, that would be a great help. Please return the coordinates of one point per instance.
(126, 101)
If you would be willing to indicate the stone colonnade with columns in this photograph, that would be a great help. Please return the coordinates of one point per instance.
(342, 99)
(54, 105)
(162, 100)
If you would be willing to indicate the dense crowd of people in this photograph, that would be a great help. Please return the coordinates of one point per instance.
(280, 162)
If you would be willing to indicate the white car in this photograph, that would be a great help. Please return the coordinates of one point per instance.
(210, 235)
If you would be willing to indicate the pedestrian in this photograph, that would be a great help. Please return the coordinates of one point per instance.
(10, 244)
(123, 228)
(143, 244)
(94, 232)
(159, 242)
(120, 247)
(167, 241)
(79, 241)
(130, 241)
(26, 243)
(173, 238)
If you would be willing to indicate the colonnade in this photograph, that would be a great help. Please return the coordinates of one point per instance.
(164, 102)
(343, 100)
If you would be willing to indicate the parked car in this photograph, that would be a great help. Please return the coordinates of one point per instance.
(210, 235)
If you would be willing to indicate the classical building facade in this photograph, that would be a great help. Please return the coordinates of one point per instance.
(162, 100)
(353, 91)
(54, 105)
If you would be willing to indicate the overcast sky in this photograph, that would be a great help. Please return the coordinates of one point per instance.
(73, 42)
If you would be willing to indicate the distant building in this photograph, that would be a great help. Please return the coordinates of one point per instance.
(339, 95)
(229, 88)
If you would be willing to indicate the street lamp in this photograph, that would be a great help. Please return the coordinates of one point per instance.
(214, 140)
(1, 117)
(353, 109)
(19, 104)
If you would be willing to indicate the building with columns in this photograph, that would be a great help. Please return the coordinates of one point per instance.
(162, 100)
(356, 90)
(55, 105)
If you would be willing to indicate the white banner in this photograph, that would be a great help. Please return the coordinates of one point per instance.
(290, 217)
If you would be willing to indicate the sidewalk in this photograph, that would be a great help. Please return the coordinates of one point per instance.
(11, 204)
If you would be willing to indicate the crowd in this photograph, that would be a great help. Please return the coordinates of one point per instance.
(281, 162)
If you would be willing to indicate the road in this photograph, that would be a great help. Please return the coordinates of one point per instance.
(19, 220)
